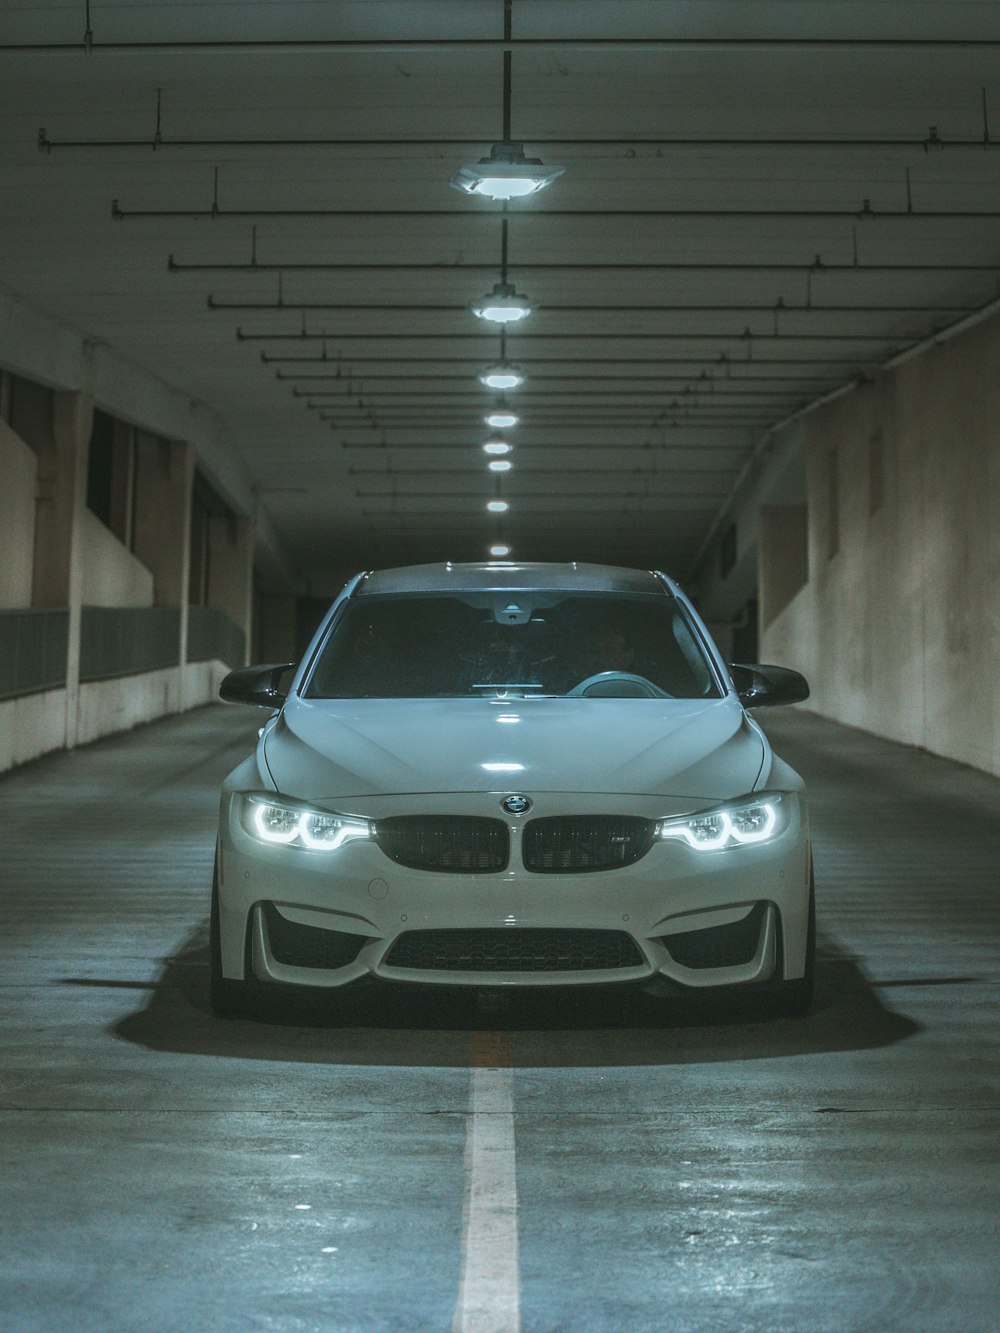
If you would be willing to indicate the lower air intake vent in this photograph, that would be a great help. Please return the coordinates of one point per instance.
(444, 842)
(514, 950)
(308, 946)
(571, 844)
(718, 946)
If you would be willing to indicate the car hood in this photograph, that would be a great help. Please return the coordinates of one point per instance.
(325, 750)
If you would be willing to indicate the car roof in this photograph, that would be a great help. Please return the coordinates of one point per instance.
(506, 575)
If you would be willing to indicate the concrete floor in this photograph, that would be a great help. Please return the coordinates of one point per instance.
(675, 1169)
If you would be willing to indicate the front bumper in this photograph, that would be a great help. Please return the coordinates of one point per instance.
(694, 919)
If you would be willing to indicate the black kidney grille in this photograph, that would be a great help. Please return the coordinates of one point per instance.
(514, 949)
(449, 843)
(570, 844)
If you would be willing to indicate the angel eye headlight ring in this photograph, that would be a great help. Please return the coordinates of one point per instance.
(282, 823)
(737, 824)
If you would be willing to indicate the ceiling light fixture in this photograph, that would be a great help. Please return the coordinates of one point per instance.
(500, 465)
(501, 417)
(502, 305)
(505, 174)
(501, 376)
(497, 506)
(500, 551)
(497, 446)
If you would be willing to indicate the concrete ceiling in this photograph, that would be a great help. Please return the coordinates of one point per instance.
(284, 245)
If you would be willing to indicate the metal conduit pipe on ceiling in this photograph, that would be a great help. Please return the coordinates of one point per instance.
(924, 144)
(617, 214)
(778, 308)
(816, 266)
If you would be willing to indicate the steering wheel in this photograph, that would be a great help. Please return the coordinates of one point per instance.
(618, 685)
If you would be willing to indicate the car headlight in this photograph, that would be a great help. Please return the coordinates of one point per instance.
(278, 822)
(750, 820)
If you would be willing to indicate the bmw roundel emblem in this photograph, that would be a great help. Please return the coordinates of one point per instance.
(516, 805)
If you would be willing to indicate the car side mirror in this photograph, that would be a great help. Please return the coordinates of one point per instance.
(761, 686)
(255, 685)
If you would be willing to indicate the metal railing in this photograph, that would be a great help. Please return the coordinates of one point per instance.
(212, 634)
(33, 648)
(114, 642)
(127, 641)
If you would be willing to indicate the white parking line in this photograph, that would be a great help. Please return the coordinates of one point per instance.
(489, 1294)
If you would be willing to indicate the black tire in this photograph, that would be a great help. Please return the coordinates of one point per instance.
(229, 998)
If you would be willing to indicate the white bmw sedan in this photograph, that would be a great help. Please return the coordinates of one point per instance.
(513, 775)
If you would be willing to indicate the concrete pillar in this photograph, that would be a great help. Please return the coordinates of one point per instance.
(72, 418)
(164, 475)
(19, 468)
(782, 557)
(34, 420)
(275, 627)
(230, 574)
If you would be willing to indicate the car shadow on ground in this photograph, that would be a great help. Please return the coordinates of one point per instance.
(560, 1027)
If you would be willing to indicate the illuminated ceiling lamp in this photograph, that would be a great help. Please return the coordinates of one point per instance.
(497, 506)
(505, 174)
(499, 550)
(500, 465)
(496, 445)
(502, 305)
(501, 417)
(501, 376)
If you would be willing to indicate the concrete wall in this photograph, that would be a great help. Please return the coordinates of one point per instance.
(163, 514)
(31, 726)
(108, 706)
(275, 637)
(230, 580)
(19, 473)
(773, 479)
(898, 627)
(782, 556)
(36, 723)
(55, 552)
(110, 573)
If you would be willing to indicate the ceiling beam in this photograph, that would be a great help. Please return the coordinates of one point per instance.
(528, 472)
(774, 308)
(474, 400)
(548, 446)
(721, 358)
(90, 43)
(670, 384)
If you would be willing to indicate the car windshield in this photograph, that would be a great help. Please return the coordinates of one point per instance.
(510, 643)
